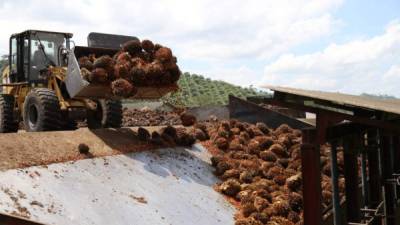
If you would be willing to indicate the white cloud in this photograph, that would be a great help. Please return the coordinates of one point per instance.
(392, 73)
(197, 29)
(230, 40)
(220, 39)
(369, 65)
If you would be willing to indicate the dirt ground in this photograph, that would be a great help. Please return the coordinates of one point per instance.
(25, 149)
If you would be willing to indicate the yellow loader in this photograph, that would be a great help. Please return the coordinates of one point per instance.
(43, 87)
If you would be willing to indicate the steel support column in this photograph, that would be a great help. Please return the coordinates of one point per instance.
(353, 206)
(374, 172)
(387, 172)
(337, 211)
(396, 167)
(311, 172)
(364, 176)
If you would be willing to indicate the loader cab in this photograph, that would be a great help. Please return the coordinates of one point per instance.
(32, 51)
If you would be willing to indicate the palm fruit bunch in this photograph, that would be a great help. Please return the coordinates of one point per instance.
(136, 64)
(168, 136)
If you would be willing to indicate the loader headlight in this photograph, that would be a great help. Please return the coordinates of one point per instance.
(64, 52)
(63, 55)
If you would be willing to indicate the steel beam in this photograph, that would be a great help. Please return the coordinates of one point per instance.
(250, 112)
(357, 119)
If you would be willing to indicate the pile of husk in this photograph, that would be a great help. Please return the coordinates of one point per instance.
(137, 64)
(148, 117)
(260, 169)
(157, 117)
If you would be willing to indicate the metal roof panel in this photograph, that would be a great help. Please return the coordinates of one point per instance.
(385, 105)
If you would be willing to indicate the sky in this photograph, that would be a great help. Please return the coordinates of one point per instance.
(344, 46)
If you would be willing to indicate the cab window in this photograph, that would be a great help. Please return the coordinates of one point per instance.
(48, 49)
(26, 57)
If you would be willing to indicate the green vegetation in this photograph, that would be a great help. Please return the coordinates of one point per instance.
(382, 96)
(196, 90)
(3, 64)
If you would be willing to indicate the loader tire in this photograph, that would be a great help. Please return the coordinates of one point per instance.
(69, 125)
(8, 123)
(42, 111)
(107, 115)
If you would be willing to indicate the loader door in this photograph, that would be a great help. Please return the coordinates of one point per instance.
(13, 61)
(19, 58)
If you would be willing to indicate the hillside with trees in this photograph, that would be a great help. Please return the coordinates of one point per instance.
(196, 90)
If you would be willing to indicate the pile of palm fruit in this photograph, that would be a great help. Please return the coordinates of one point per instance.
(137, 64)
(260, 169)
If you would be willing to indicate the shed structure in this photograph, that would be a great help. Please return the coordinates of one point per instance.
(368, 130)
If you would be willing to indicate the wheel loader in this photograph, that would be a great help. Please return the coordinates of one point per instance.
(42, 85)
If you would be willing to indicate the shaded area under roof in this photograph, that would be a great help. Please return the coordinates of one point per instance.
(385, 105)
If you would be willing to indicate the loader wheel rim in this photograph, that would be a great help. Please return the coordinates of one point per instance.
(33, 115)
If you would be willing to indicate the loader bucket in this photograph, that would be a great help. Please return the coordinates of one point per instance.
(108, 40)
(77, 87)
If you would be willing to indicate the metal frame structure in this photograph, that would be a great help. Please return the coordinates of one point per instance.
(249, 111)
(369, 131)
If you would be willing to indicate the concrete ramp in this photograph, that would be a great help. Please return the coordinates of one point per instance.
(165, 186)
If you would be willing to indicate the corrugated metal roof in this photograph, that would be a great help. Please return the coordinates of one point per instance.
(387, 105)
